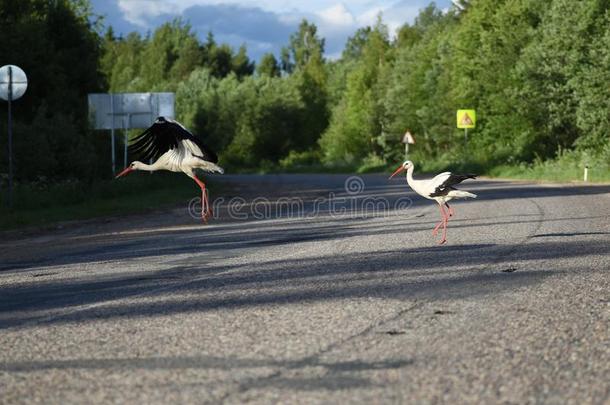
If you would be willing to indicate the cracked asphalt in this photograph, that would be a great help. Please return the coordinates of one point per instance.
(338, 295)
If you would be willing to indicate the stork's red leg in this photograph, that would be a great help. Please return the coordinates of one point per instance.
(443, 223)
(449, 214)
(444, 238)
(435, 230)
(205, 206)
(449, 210)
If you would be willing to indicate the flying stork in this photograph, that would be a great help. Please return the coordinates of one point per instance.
(176, 149)
(440, 189)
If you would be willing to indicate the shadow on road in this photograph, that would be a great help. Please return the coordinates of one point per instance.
(335, 375)
(225, 239)
(390, 274)
(196, 287)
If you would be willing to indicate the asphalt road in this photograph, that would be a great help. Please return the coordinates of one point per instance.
(330, 296)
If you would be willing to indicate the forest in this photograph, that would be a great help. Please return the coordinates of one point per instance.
(536, 72)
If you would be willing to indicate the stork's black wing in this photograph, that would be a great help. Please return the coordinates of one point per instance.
(450, 180)
(164, 135)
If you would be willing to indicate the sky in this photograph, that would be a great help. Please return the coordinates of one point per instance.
(262, 25)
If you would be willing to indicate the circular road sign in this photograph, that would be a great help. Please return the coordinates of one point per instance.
(19, 80)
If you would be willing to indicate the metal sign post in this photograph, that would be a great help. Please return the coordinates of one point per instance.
(466, 119)
(125, 139)
(112, 135)
(10, 137)
(13, 83)
(407, 139)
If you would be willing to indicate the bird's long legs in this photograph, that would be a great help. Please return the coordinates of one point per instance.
(450, 213)
(435, 230)
(449, 210)
(445, 218)
(206, 210)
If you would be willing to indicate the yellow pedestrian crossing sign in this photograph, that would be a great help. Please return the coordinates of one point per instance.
(466, 118)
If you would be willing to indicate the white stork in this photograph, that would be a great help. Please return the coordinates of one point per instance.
(176, 149)
(440, 189)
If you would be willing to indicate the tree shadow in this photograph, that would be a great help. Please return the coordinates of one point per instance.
(568, 234)
(225, 240)
(199, 362)
(190, 286)
(329, 375)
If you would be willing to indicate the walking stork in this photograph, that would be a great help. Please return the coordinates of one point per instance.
(176, 149)
(440, 189)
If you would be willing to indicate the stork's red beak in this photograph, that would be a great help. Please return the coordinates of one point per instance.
(400, 169)
(124, 172)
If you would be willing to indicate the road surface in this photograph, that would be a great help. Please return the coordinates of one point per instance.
(305, 290)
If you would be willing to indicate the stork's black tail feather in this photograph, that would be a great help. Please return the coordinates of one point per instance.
(458, 178)
(451, 181)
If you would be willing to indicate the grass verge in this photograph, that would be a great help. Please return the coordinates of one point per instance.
(43, 205)
(567, 167)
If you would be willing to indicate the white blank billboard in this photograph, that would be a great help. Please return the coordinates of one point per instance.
(129, 110)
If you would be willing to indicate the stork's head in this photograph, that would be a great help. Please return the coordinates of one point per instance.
(133, 166)
(405, 166)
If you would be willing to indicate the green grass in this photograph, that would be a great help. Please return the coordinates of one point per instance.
(550, 173)
(43, 205)
(567, 167)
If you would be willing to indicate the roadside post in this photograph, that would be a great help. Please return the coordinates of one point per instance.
(13, 84)
(407, 139)
(586, 175)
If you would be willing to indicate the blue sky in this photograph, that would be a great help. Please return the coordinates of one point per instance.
(263, 25)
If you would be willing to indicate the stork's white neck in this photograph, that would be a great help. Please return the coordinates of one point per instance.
(410, 174)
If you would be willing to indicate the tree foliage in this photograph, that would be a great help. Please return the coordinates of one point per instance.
(356, 121)
(536, 72)
(51, 135)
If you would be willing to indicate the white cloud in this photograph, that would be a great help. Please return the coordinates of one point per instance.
(138, 11)
(337, 15)
(267, 24)
(396, 16)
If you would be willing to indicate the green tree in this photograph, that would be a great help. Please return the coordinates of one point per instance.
(550, 70)
(268, 123)
(306, 50)
(242, 66)
(355, 124)
(121, 62)
(46, 39)
(305, 47)
(170, 56)
(268, 66)
(355, 44)
(486, 47)
(592, 90)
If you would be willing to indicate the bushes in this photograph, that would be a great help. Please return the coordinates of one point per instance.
(250, 121)
(51, 136)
